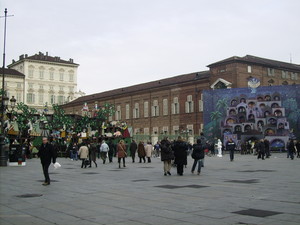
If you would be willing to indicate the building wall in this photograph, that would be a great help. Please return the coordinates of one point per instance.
(14, 86)
(54, 83)
(189, 95)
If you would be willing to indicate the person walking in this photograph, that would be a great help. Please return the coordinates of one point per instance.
(121, 152)
(73, 151)
(180, 152)
(198, 156)
(83, 154)
(110, 151)
(167, 155)
(148, 150)
(141, 152)
(104, 149)
(230, 146)
(298, 149)
(93, 152)
(267, 148)
(47, 154)
(157, 150)
(261, 148)
(132, 149)
(291, 148)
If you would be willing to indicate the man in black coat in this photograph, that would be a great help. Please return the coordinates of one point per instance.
(261, 148)
(46, 154)
(230, 146)
(180, 152)
(198, 156)
(132, 149)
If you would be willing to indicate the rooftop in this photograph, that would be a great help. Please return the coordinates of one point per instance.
(43, 57)
(259, 61)
(140, 87)
(11, 72)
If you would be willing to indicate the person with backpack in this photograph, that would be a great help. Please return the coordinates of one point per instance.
(198, 156)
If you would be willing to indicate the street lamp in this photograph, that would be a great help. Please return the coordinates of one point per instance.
(13, 102)
(3, 158)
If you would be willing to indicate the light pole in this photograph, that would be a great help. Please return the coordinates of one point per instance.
(12, 103)
(3, 158)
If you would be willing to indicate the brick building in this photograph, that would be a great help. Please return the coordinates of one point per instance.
(174, 106)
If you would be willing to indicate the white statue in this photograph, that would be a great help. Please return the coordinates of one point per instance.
(219, 146)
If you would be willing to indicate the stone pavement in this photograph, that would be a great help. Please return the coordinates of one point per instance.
(246, 191)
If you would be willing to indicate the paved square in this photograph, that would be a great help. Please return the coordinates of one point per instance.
(246, 191)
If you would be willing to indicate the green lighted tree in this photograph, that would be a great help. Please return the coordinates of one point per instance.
(60, 119)
(24, 117)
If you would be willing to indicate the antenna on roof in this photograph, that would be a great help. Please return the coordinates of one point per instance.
(291, 58)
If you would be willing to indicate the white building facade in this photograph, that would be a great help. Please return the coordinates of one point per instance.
(48, 79)
(14, 84)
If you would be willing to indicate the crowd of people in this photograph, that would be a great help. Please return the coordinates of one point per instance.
(171, 153)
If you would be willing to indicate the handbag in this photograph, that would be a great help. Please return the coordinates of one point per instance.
(123, 150)
(86, 162)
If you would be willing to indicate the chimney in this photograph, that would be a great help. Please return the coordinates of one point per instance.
(46, 53)
(13, 61)
(26, 56)
(21, 57)
(71, 60)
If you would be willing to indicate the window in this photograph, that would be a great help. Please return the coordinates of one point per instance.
(165, 107)
(146, 109)
(51, 75)
(201, 127)
(71, 77)
(60, 99)
(249, 69)
(61, 75)
(189, 104)
(165, 130)
(52, 99)
(71, 89)
(175, 106)
(155, 130)
(294, 76)
(155, 108)
(201, 103)
(19, 97)
(30, 71)
(41, 73)
(41, 99)
(146, 131)
(176, 130)
(285, 74)
(127, 107)
(41, 87)
(30, 98)
(118, 113)
(61, 88)
(136, 111)
(19, 85)
(30, 85)
(190, 129)
(271, 72)
(51, 87)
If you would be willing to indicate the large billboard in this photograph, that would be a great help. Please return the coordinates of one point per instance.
(271, 112)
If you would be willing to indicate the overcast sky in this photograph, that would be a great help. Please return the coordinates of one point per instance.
(119, 43)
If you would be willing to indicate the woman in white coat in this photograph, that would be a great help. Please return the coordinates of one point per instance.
(148, 149)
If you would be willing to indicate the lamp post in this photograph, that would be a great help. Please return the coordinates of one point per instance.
(3, 158)
(4, 99)
(12, 103)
